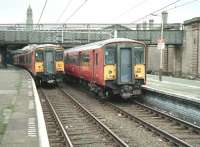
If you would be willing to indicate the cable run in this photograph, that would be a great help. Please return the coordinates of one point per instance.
(156, 11)
(184, 4)
(77, 9)
(64, 10)
(42, 11)
(133, 7)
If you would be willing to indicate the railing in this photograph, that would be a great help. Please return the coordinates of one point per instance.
(66, 27)
(84, 33)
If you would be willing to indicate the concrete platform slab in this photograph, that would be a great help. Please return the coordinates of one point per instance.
(182, 88)
(20, 111)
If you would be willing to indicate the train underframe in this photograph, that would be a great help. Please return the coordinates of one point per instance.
(125, 91)
(48, 79)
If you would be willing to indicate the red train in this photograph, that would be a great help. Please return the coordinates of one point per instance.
(45, 62)
(109, 67)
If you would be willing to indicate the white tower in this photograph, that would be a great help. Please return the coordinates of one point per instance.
(29, 19)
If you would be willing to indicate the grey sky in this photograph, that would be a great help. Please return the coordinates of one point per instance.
(95, 11)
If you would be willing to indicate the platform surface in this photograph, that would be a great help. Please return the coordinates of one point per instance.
(18, 113)
(183, 88)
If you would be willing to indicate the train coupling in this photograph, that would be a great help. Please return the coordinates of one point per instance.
(51, 81)
(127, 91)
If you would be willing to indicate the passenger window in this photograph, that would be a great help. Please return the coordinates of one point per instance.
(85, 59)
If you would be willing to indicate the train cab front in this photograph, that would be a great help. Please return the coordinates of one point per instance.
(44, 66)
(39, 66)
(54, 65)
(49, 65)
(134, 88)
(124, 69)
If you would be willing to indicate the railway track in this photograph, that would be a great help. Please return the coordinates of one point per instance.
(132, 133)
(175, 131)
(79, 126)
(56, 133)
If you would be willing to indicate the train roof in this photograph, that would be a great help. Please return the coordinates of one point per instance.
(44, 45)
(100, 44)
(32, 47)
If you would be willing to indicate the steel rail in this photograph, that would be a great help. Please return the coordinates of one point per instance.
(153, 128)
(67, 139)
(119, 141)
(185, 123)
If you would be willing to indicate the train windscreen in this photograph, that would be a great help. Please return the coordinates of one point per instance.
(59, 55)
(139, 54)
(110, 55)
(39, 55)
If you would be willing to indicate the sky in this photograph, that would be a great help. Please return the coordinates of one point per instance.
(96, 11)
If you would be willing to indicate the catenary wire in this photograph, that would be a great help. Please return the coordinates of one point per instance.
(42, 11)
(155, 11)
(64, 10)
(184, 4)
(76, 10)
(131, 8)
(178, 6)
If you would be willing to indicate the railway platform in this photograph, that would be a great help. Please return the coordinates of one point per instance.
(21, 118)
(181, 88)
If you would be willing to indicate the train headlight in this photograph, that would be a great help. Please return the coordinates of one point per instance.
(139, 71)
(59, 66)
(109, 72)
(39, 67)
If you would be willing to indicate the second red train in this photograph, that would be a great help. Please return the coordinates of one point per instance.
(109, 67)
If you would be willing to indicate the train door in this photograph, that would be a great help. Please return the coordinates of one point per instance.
(49, 61)
(93, 65)
(125, 68)
(79, 64)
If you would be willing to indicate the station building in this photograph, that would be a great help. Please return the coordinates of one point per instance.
(179, 60)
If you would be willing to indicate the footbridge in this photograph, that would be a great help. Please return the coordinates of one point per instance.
(75, 34)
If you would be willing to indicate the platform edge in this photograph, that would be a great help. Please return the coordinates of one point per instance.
(42, 131)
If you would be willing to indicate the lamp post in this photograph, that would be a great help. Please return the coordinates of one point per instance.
(161, 50)
(161, 46)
